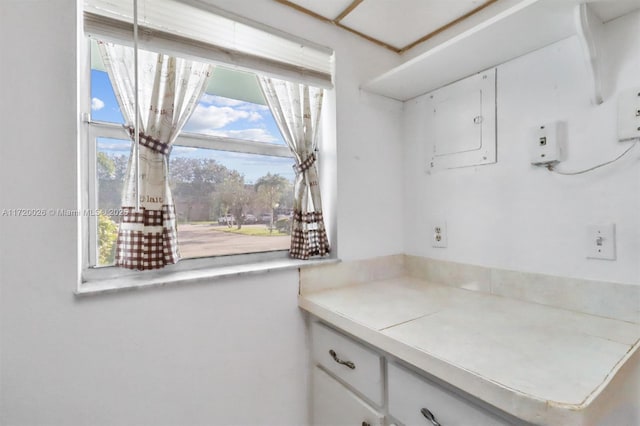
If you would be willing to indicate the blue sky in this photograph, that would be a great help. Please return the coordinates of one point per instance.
(214, 115)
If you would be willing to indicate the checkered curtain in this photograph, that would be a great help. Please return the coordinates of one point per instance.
(296, 108)
(168, 91)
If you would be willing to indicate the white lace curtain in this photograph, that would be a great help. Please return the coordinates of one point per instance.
(296, 109)
(168, 91)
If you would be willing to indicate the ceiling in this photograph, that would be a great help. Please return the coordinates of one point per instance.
(399, 25)
(396, 25)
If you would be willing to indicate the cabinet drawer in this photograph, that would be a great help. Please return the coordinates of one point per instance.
(335, 405)
(409, 394)
(338, 353)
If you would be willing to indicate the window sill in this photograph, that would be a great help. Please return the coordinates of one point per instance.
(139, 282)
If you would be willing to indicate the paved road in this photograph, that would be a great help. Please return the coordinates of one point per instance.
(198, 240)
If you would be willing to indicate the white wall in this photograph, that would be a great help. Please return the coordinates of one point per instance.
(229, 352)
(515, 216)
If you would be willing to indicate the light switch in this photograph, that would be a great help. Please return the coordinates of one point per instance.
(601, 242)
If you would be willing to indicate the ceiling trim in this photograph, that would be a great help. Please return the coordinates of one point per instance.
(368, 38)
(338, 24)
(356, 3)
(305, 11)
(348, 10)
(447, 26)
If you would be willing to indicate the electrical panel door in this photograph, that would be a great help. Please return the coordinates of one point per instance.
(460, 125)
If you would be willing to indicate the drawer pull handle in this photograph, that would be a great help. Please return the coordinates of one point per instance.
(339, 361)
(429, 415)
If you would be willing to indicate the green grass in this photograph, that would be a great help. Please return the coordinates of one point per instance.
(260, 231)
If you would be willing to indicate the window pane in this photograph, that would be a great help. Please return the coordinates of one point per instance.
(240, 114)
(104, 105)
(111, 166)
(226, 203)
(230, 203)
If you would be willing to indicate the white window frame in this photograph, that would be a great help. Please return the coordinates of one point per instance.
(94, 280)
(92, 130)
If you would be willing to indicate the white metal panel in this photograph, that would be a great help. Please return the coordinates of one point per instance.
(400, 23)
(366, 377)
(334, 405)
(409, 394)
(454, 129)
(460, 123)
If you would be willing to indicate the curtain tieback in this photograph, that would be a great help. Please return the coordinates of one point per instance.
(150, 142)
(305, 165)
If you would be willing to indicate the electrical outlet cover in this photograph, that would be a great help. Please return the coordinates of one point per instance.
(439, 235)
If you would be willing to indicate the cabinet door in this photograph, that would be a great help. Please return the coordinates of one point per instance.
(413, 400)
(335, 405)
(334, 351)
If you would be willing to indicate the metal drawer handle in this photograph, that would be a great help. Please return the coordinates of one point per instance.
(429, 415)
(339, 361)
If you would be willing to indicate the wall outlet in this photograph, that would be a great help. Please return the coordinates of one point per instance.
(439, 235)
(548, 144)
(601, 242)
(629, 115)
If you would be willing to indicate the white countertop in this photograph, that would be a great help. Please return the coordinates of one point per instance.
(539, 363)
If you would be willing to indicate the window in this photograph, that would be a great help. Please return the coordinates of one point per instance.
(230, 172)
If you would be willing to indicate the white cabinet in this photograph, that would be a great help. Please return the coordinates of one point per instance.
(335, 405)
(349, 381)
(413, 400)
(351, 362)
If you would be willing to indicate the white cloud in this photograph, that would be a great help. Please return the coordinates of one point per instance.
(255, 116)
(212, 117)
(96, 104)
